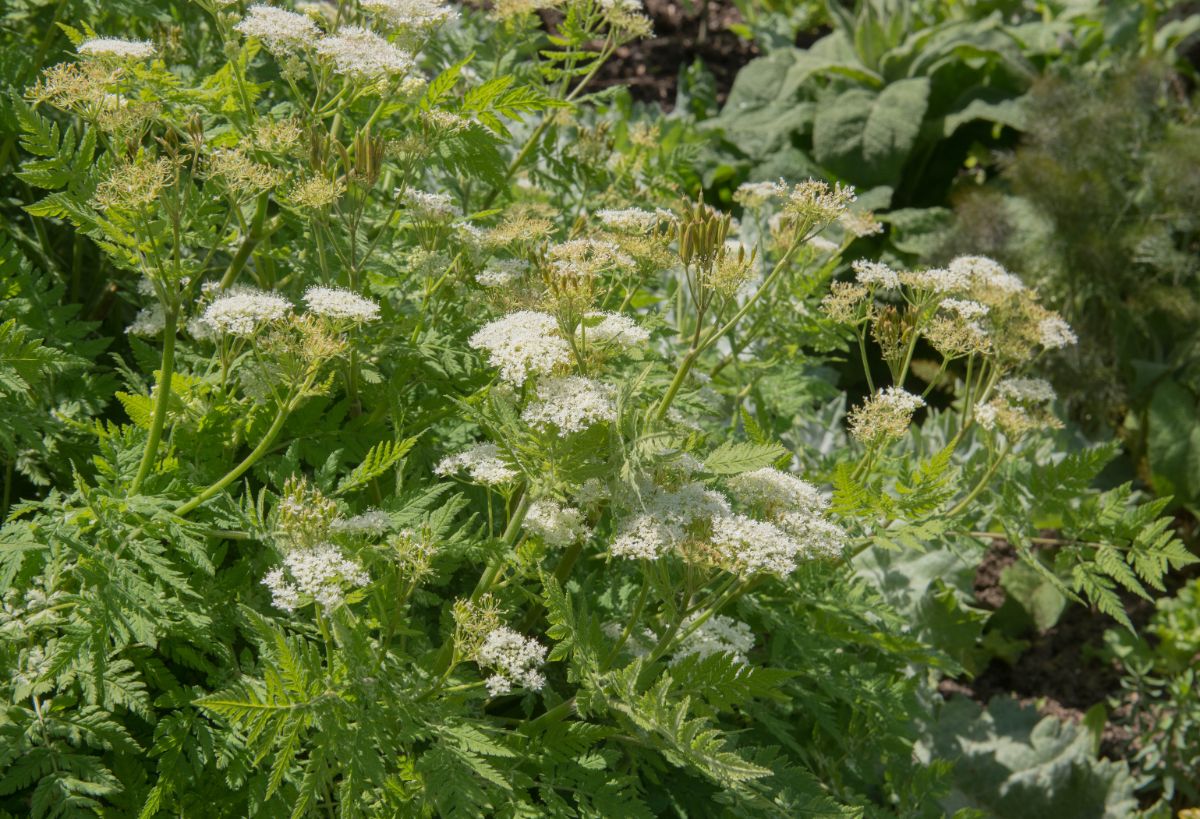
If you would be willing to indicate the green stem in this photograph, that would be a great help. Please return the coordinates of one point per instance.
(249, 461)
(248, 244)
(161, 400)
(983, 482)
(510, 537)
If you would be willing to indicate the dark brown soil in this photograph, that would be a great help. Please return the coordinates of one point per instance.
(1062, 672)
(682, 32)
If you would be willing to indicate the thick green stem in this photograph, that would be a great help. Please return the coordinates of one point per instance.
(511, 533)
(239, 470)
(248, 244)
(161, 399)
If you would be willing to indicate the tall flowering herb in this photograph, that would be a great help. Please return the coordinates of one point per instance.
(450, 464)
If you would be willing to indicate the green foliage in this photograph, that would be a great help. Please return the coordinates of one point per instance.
(427, 476)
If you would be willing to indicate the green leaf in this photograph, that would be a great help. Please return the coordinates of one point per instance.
(868, 136)
(734, 458)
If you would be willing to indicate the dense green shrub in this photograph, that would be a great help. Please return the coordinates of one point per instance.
(447, 464)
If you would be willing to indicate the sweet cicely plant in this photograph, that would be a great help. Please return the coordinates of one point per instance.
(449, 476)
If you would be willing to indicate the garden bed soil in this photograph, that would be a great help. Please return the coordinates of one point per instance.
(682, 32)
(1062, 672)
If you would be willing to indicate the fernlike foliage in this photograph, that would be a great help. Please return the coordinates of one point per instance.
(446, 477)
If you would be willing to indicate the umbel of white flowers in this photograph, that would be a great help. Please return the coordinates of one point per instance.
(516, 660)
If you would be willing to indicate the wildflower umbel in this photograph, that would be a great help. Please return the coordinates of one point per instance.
(613, 329)
(716, 635)
(241, 312)
(410, 14)
(516, 660)
(363, 54)
(319, 573)
(282, 32)
(482, 463)
(521, 344)
(336, 303)
(554, 523)
(885, 416)
(116, 47)
(570, 404)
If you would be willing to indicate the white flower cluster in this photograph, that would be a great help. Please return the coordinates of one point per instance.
(516, 659)
(716, 635)
(149, 321)
(629, 220)
(796, 505)
(410, 14)
(643, 537)
(987, 272)
(772, 490)
(757, 194)
(614, 328)
(753, 546)
(320, 572)
(280, 31)
(664, 523)
(371, 522)
(570, 404)
(587, 257)
(336, 303)
(361, 53)
(875, 273)
(435, 207)
(116, 47)
(965, 308)
(502, 272)
(885, 415)
(1026, 390)
(482, 462)
(241, 311)
(937, 280)
(522, 343)
(557, 525)
(1055, 333)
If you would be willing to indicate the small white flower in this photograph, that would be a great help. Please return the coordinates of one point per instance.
(281, 32)
(242, 311)
(410, 14)
(319, 572)
(757, 194)
(646, 538)
(150, 321)
(482, 462)
(1055, 333)
(716, 635)
(434, 207)
(1026, 390)
(986, 272)
(336, 303)
(965, 308)
(986, 415)
(937, 280)
(771, 489)
(521, 344)
(570, 404)
(753, 546)
(557, 525)
(372, 522)
(588, 257)
(116, 47)
(630, 220)
(613, 328)
(361, 53)
(876, 273)
(502, 272)
(515, 658)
